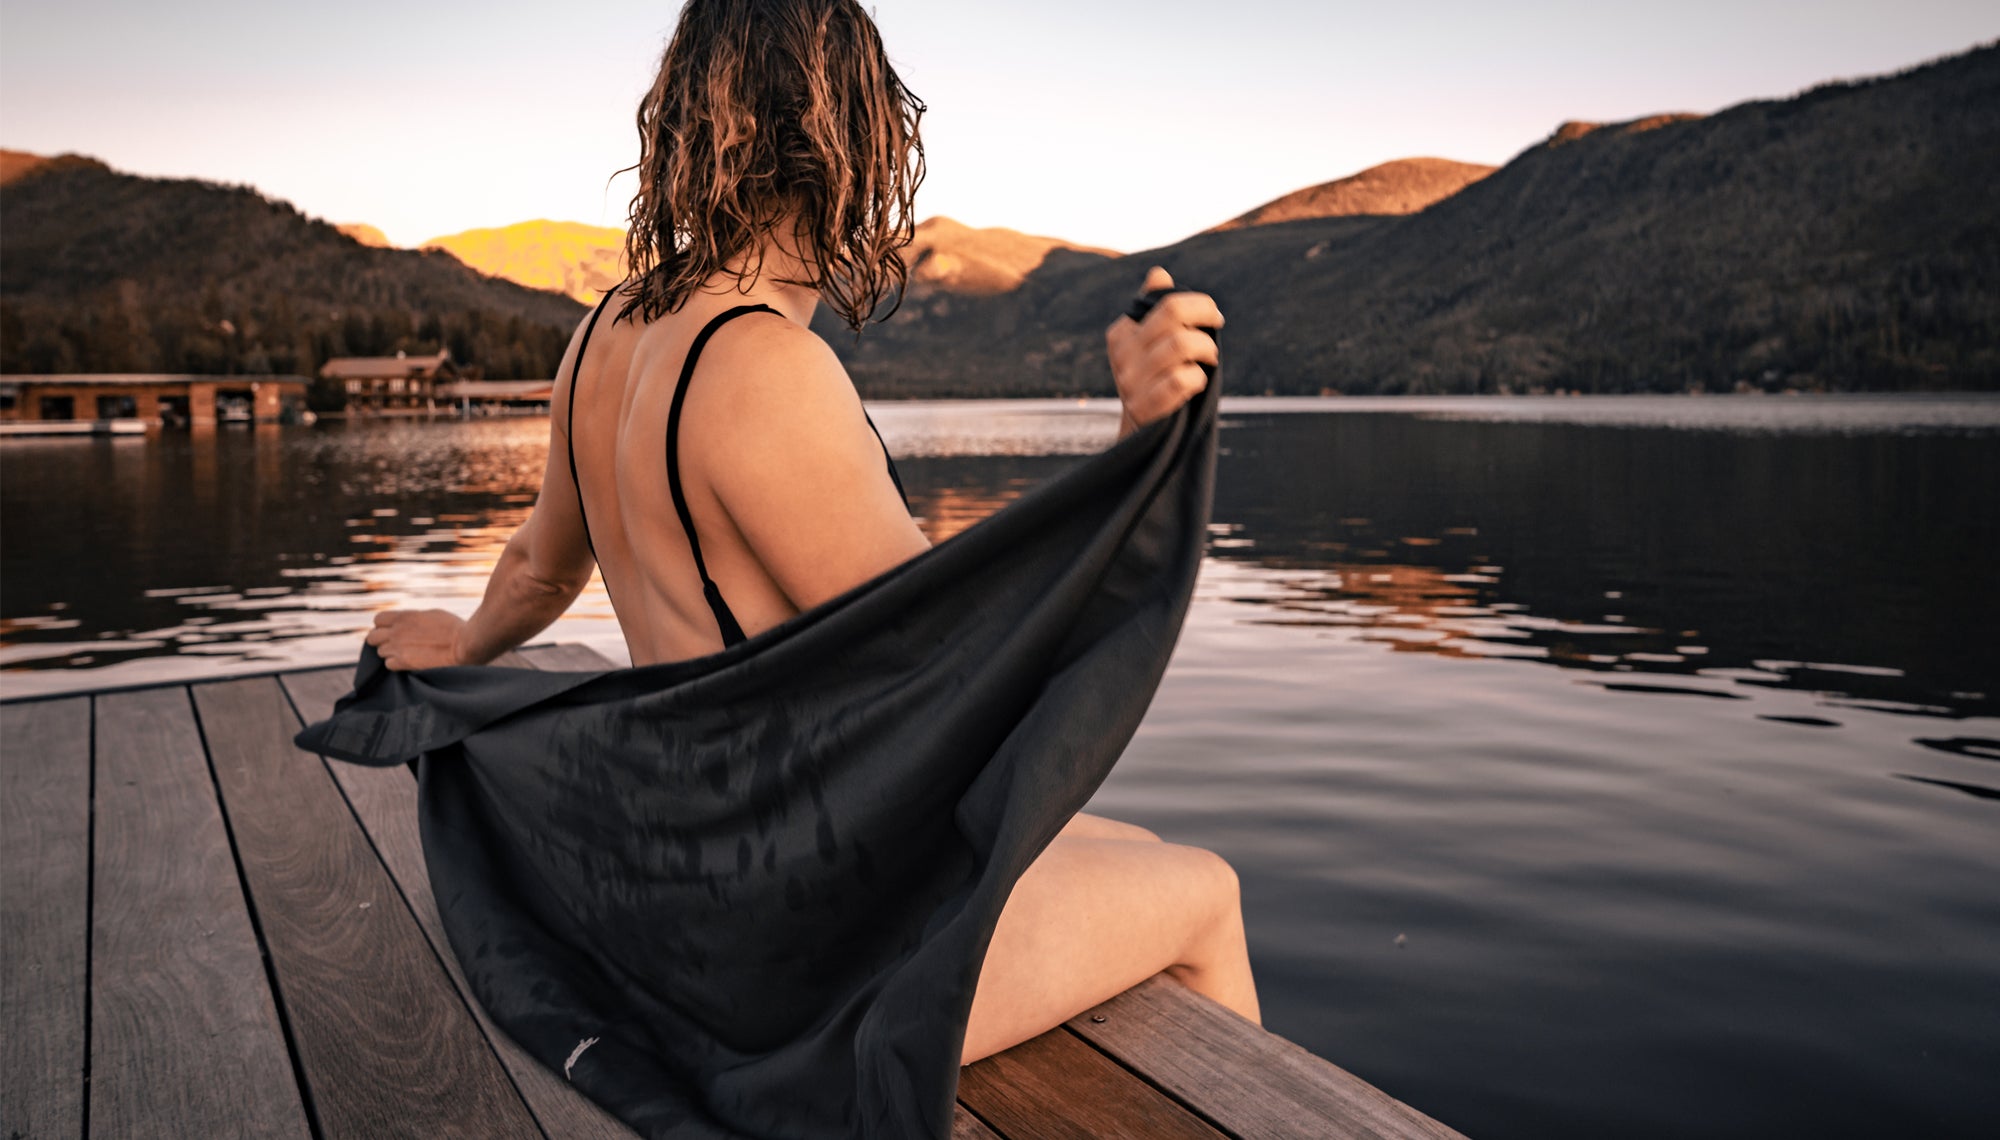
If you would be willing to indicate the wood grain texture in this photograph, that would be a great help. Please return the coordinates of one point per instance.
(1056, 1087)
(44, 914)
(185, 1038)
(965, 1126)
(385, 799)
(1250, 1081)
(386, 1046)
(567, 657)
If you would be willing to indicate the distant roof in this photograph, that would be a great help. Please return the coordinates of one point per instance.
(503, 389)
(386, 367)
(114, 378)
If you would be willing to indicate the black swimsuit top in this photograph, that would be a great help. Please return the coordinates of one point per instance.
(732, 632)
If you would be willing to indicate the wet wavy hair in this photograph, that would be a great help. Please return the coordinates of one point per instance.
(762, 109)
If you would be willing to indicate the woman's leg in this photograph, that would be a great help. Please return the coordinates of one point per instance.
(1083, 825)
(1093, 917)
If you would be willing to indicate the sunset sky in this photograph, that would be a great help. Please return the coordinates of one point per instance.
(1107, 122)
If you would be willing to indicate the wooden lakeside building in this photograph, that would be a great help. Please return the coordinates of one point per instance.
(208, 932)
(501, 397)
(399, 383)
(32, 403)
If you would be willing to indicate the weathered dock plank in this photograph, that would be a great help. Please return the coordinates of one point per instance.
(386, 1046)
(1056, 1087)
(371, 1030)
(44, 914)
(966, 1126)
(1255, 1084)
(385, 801)
(390, 817)
(184, 1039)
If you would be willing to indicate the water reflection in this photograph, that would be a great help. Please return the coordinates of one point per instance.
(1857, 565)
(1585, 779)
(248, 549)
(1847, 565)
(1979, 791)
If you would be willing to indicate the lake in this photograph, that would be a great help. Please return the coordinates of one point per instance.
(1593, 767)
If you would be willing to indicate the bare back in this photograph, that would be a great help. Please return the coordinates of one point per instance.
(764, 455)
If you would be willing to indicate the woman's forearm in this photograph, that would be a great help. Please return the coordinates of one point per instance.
(518, 605)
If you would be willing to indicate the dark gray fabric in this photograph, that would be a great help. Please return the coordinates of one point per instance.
(749, 895)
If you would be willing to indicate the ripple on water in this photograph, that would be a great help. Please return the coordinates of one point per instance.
(1581, 781)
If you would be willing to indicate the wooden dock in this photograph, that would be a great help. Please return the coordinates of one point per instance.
(210, 933)
(19, 428)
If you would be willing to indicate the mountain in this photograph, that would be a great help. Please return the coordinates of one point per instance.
(365, 234)
(109, 272)
(951, 257)
(1404, 186)
(564, 257)
(946, 257)
(16, 163)
(1844, 239)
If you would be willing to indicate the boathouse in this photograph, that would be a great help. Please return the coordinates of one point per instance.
(497, 397)
(379, 383)
(151, 398)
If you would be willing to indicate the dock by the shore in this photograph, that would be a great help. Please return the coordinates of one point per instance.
(126, 426)
(210, 933)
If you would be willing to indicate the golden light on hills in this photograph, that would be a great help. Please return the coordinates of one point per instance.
(364, 233)
(949, 256)
(583, 261)
(18, 164)
(1404, 186)
(1575, 129)
(15, 163)
(567, 257)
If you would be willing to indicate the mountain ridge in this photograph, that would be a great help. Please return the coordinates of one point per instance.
(113, 272)
(578, 260)
(365, 234)
(945, 256)
(1842, 239)
(949, 256)
(1400, 186)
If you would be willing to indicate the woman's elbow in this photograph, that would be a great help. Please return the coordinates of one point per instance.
(543, 577)
(558, 587)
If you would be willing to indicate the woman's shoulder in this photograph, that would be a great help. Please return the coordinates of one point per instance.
(764, 369)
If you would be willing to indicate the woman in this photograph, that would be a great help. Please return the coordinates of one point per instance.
(780, 155)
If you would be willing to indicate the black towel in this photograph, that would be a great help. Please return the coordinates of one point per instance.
(749, 894)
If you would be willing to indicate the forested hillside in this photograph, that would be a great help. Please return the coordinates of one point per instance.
(107, 272)
(1846, 239)
(1404, 186)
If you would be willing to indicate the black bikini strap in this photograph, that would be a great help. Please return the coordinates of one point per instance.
(894, 476)
(569, 424)
(724, 619)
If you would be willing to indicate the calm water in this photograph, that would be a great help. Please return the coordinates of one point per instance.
(1593, 767)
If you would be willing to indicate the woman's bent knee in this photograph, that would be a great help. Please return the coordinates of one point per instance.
(1084, 825)
(1215, 873)
(1090, 918)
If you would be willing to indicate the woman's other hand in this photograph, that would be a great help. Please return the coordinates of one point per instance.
(1157, 362)
(416, 639)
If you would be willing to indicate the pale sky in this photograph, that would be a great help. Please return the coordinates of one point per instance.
(1107, 122)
